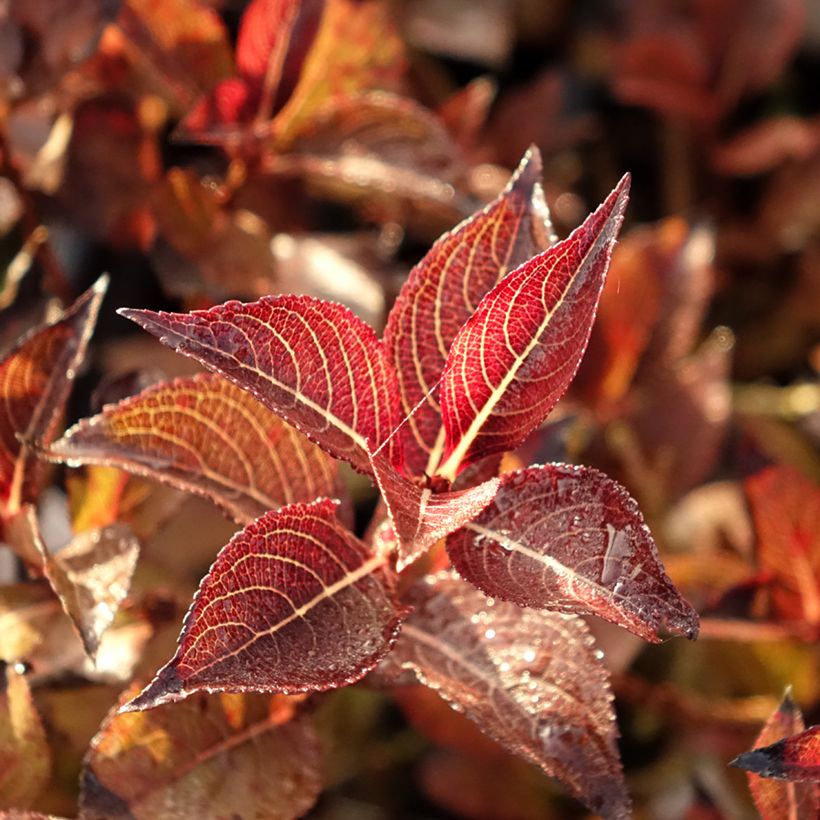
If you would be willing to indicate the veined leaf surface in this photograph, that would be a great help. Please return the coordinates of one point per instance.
(421, 517)
(293, 603)
(205, 435)
(529, 679)
(795, 758)
(516, 356)
(443, 290)
(314, 363)
(569, 538)
(35, 380)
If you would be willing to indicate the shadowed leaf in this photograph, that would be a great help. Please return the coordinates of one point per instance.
(516, 674)
(211, 756)
(205, 435)
(569, 538)
(515, 357)
(314, 363)
(35, 380)
(293, 603)
(25, 761)
(443, 290)
(795, 758)
(421, 517)
(775, 798)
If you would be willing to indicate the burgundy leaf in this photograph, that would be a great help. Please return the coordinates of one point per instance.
(35, 380)
(516, 356)
(293, 603)
(795, 758)
(314, 363)
(569, 538)
(774, 798)
(205, 435)
(530, 680)
(443, 290)
(421, 517)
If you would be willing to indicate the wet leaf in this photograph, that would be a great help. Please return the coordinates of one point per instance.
(210, 756)
(515, 357)
(35, 380)
(443, 290)
(91, 577)
(205, 435)
(571, 539)
(774, 798)
(421, 517)
(795, 758)
(293, 603)
(786, 514)
(516, 674)
(25, 761)
(313, 363)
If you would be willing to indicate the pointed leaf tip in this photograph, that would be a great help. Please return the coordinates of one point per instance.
(166, 687)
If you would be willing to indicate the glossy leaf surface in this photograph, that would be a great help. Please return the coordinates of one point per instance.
(25, 761)
(210, 756)
(293, 603)
(530, 680)
(314, 363)
(795, 758)
(444, 289)
(205, 435)
(421, 517)
(516, 356)
(569, 538)
(774, 798)
(91, 577)
(35, 380)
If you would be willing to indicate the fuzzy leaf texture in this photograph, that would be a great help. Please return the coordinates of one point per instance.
(421, 517)
(209, 756)
(35, 380)
(795, 758)
(443, 290)
(516, 356)
(516, 674)
(293, 603)
(777, 798)
(569, 538)
(205, 435)
(314, 363)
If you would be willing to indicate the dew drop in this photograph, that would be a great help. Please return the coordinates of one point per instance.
(599, 654)
(529, 655)
(489, 634)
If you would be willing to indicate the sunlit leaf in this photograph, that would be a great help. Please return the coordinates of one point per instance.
(569, 538)
(205, 435)
(211, 756)
(443, 290)
(775, 798)
(421, 517)
(529, 679)
(35, 380)
(786, 514)
(91, 577)
(513, 360)
(795, 758)
(25, 761)
(314, 363)
(293, 603)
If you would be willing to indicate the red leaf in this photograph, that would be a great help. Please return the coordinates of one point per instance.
(530, 680)
(204, 435)
(571, 539)
(786, 513)
(795, 758)
(35, 380)
(421, 517)
(293, 603)
(442, 292)
(515, 357)
(775, 799)
(314, 363)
